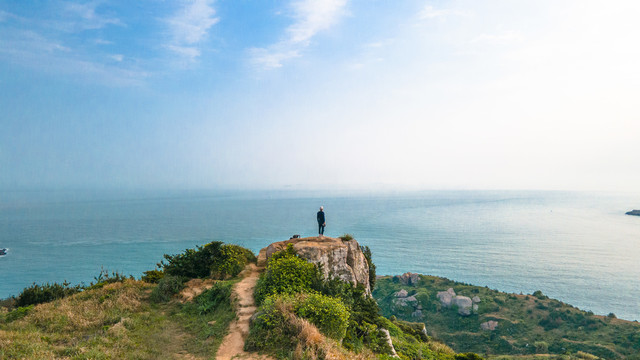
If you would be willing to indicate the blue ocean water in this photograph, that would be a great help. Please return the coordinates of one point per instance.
(576, 247)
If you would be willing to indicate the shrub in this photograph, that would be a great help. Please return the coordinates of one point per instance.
(287, 274)
(214, 258)
(468, 356)
(538, 294)
(18, 313)
(330, 315)
(152, 276)
(346, 237)
(104, 278)
(192, 263)
(8, 303)
(287, 321)
(541, 347)
(38, 294)
(230, 261)
(166, 288)
(220, 293)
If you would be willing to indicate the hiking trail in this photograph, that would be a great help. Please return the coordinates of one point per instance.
(232, 346)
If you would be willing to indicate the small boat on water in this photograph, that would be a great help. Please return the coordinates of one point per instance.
(3, 252)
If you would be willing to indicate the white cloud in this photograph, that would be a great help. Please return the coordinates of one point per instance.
(190, 26)
(189, 52)
(103, 42)
(311, 17)
(48, 55)
(270, 59)
(85, 17)
(429, 12)
(3, 15)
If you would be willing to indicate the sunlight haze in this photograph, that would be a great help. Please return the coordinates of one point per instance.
(320, 94)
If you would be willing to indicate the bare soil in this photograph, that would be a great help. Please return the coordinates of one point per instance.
(232, 346)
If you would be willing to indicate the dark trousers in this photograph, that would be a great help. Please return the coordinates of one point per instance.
(320, 229)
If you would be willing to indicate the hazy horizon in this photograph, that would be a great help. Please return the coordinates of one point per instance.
(325, 94)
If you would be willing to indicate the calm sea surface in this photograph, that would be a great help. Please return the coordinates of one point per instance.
(576, 247)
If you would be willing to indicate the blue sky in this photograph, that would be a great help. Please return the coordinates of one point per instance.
(205, 94)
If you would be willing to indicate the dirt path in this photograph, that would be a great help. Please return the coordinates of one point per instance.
(233, 344)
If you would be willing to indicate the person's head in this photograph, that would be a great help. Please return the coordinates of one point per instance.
(321, 208)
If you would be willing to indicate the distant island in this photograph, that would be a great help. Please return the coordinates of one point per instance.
(633, 212)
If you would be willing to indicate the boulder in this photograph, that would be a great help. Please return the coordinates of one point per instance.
(446, 297)
(402, 293)
(476, 299)
(464, 305)
(490, 325)
(335, 258)
(408, 278)
(406, 301)
(417, 314)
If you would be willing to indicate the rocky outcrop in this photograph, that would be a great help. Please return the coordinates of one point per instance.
(387, 337)
(406, 303)
(446, 297)
(335, 257)
(408, 278)
(490, 325)
(633, 212)
(464, 304)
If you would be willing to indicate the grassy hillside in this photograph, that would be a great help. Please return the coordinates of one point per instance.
(123, 318)
(116, 321)
(526, 324)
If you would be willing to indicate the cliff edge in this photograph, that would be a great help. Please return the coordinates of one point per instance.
(335, 257)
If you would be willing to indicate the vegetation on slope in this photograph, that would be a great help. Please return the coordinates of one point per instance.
(303, 316)
(123, 318)
(527, 324)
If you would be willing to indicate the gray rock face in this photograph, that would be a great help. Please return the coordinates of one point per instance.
(387, 336)
(490, 325)
(464, 305)
(406, 301)
(446, 297)
(475, 299)
(408, 278)
(402, 301)
(335, 258)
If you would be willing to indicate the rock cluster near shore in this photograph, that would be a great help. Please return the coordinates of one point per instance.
(464, 304)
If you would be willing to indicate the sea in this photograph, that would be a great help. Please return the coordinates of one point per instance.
(578, 247)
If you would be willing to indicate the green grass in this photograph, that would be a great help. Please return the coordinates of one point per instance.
(524, 320)
(116, 321)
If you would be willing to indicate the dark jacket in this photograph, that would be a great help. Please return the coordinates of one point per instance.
(320, 217)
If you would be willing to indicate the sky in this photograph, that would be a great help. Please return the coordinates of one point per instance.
(354, 94)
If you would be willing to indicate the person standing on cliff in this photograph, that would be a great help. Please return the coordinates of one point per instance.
(321, 221)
